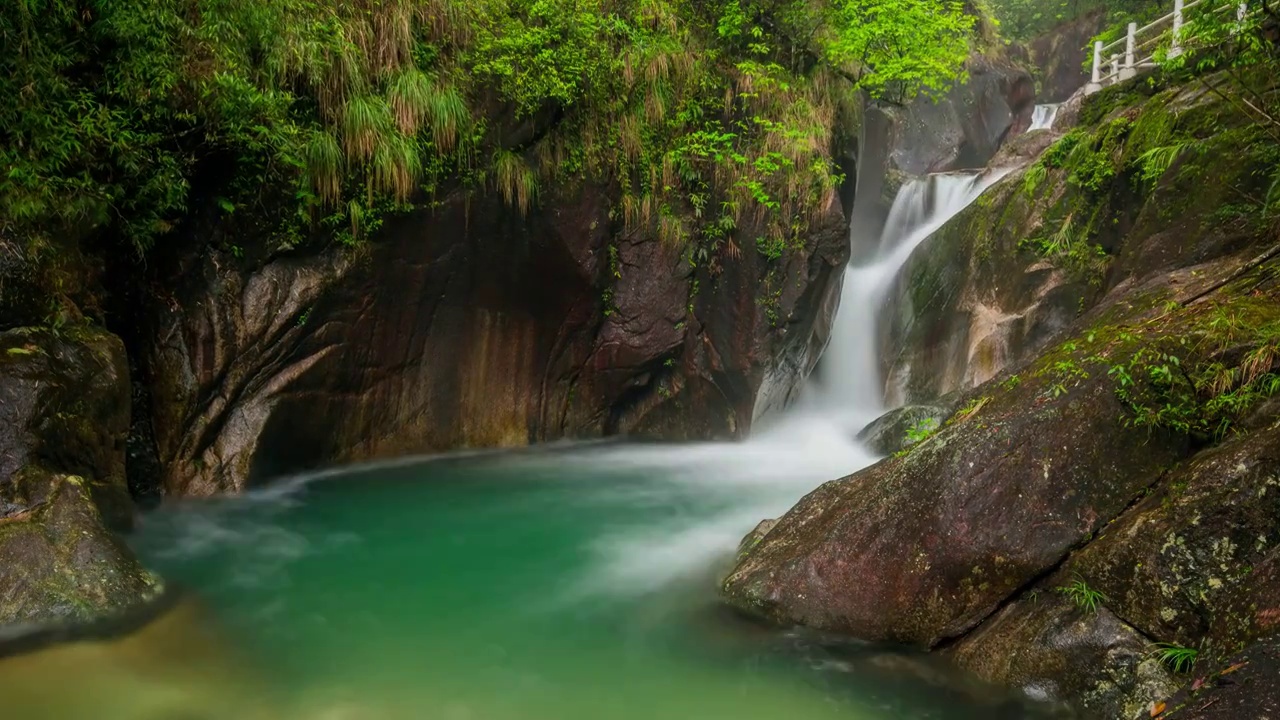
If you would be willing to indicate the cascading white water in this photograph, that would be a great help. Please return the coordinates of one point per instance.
(1043, 116)
(851, 390)
(809, 444)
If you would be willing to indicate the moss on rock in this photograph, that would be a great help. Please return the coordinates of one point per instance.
(61, 563)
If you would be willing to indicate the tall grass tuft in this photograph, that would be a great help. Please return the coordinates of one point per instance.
(447, 115)
(515, 180)
(366, 122)
(396, 166)
(323, 163)
(410, 95)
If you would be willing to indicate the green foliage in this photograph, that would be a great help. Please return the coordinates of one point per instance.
(899, 47)
(1055, 156)
(708, 117)
(1176, 657)
(1034, 177)
(922, 430)
(1025, 19)
(1236, 59)
(1200, 382)
(1157, 161)
(1068, 248)
(1271, 205)
(1085, 598)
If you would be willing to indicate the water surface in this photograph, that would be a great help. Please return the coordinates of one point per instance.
(574, 584)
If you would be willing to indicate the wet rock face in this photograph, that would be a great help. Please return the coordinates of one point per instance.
(970, 303)
(472, 326)
(965, 130)
(1243, 686)
(1054, 651)
(890, 433)
(64, 406)
(64, 415)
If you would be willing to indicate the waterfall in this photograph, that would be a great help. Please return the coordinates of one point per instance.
(850, 390)
(1043, 116)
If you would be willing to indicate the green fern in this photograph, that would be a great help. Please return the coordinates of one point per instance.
(1157, 161)
(1271, 206)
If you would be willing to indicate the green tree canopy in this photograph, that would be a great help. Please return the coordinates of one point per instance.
(702, 114)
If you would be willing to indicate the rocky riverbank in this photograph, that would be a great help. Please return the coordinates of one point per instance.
(1095, 523)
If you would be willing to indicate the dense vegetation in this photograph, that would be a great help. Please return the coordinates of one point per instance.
(701, 114)
(1025, 19)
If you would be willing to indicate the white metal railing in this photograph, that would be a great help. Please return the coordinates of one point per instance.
(1139, 45)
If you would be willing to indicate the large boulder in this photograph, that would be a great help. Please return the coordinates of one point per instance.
(966, 128)
(64, 415)
(922, 548)
(892, 432)
(1173, 564)
(59, 563)
(472, 325)
(1243, 686)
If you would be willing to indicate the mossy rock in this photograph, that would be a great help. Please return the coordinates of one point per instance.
(58, 562)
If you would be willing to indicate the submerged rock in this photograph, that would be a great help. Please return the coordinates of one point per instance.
(166, 660)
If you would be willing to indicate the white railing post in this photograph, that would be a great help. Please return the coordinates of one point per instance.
(1175, 48)
(1130, 46)
(1115, 68)
(1242, 11)
(1095, 84)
